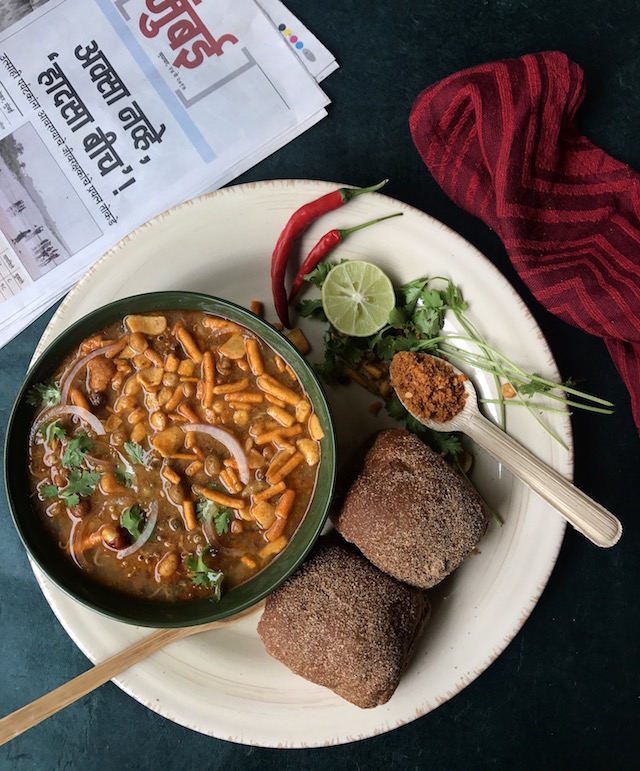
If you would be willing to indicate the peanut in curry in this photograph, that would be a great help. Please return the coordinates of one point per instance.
(174, 455)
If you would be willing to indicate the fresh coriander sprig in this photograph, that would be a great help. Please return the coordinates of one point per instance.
(527, 383)
(416, 324)
(79, 483)
(209, 511)
(133, 519)
(204, 575)
(46, 394)
(76, 450)
(135, 452)
(123, 477)
(524, 384)
(53, 431)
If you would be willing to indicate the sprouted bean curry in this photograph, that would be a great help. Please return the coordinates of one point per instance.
(173, 455)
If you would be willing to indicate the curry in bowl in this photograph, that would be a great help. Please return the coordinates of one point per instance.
(173, 455)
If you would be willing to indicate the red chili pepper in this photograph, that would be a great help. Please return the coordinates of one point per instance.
(295, 227)
(326, 244)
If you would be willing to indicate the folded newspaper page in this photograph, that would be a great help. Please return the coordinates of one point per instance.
(316, 58)
(112, 111)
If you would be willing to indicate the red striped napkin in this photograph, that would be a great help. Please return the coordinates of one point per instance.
(501, 140)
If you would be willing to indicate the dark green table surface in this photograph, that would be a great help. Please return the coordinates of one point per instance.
(566, 691)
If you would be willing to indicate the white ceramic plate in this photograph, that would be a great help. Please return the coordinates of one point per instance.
(222, 683)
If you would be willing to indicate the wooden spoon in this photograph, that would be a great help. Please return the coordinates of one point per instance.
(30, 715)
(588, 517)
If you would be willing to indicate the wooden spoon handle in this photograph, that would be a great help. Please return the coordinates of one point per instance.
(31, 714)
(588, 517)
(26, 717)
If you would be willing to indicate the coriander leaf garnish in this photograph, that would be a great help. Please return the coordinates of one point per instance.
(448, 444)
(76, 450)
(320, 272)
(205, 576)
(453, 298)
(47, 394)
(70, 499)
(397, 318)
(311, 309)
(409, 293)
(205, 509)
(56, 431)
(123, 477)
(209, 511)
(221, 521)
(428, 315)
(135, 452)
(533, 387)
(79, 483)
(48, 491)
(52, 431)
(132, 519)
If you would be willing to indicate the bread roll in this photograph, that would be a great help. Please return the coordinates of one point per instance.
(409, 512)
(343, 624)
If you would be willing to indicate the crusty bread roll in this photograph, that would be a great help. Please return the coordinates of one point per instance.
(342, 623)
(409, 512)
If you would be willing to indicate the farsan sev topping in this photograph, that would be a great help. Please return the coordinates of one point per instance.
(429, 386)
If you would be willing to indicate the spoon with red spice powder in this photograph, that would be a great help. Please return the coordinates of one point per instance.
(444, 399)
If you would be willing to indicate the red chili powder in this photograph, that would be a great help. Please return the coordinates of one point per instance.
(428, 386)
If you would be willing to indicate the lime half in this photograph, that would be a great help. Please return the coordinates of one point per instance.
(357, 298)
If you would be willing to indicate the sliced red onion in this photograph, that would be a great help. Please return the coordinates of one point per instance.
(212, 537)
(67, 379)
(97, 462)
(144, 535)
(229, 441)
(68, 409)
(77, 531)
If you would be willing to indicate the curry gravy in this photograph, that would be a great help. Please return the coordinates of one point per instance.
(180, 458)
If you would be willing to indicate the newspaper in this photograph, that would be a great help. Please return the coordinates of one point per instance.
(316, 58)
(112, 111)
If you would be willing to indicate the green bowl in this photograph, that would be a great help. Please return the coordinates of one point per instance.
(63, 573)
